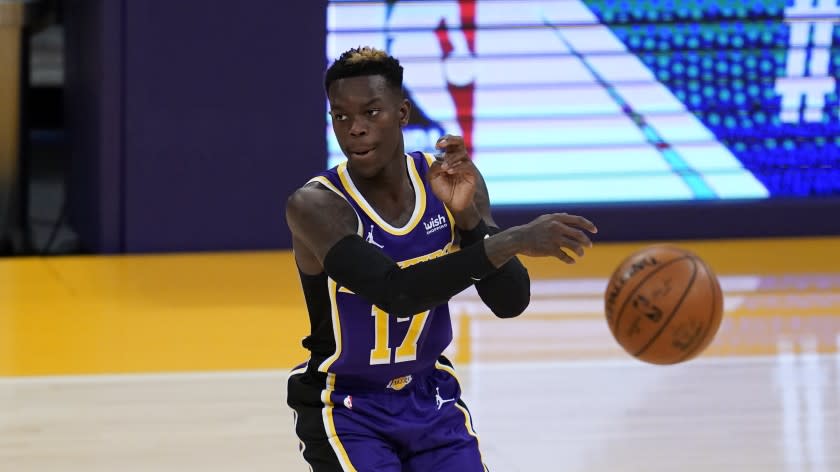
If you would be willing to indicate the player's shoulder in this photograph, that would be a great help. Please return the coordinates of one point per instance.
(313, 207)
(321, 195)
(312, 195)
(319, 187)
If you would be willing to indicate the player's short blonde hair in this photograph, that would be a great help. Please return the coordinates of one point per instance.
(365, 53)
(365, 60)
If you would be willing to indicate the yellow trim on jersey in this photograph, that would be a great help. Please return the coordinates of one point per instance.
(451, 225)
(426, 257)
(467, 417)
(326, 393)
(329, 425)
(419, 200)
(414, 260)
(467, 421)
(332, 437)
(326, 183)
(332, 289)
(448, 370)
(429, 158)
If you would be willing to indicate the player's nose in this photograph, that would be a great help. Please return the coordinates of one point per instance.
(358, 128)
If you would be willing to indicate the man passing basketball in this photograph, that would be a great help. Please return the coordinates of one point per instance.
(376, 393)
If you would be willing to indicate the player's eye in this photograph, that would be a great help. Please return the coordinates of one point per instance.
(373, 112)
(339, 116)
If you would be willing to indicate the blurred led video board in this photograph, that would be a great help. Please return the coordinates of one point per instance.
(571, 101)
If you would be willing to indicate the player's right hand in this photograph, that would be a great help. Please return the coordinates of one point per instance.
(554, 234)
(453, 178)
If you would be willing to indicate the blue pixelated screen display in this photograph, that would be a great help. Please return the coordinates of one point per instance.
(587, 101)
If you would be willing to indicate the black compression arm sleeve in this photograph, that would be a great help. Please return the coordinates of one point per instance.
(370, 273)
(506, 291)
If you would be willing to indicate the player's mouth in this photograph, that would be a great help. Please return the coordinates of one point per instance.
(361, 153)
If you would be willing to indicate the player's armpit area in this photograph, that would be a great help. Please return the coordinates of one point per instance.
(370, 273)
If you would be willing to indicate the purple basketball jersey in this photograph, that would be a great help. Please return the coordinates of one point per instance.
(371, 346)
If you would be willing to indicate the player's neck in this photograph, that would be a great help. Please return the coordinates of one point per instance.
(391, 181)
(390, 191)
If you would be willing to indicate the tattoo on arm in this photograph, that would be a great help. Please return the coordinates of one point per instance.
(482, 201)
(318, 218)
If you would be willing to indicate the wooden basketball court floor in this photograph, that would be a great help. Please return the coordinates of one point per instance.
(178, 363)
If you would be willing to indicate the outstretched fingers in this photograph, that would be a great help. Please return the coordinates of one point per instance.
(580, 222)
(564, 257)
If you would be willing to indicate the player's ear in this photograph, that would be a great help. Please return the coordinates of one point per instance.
(405, 112)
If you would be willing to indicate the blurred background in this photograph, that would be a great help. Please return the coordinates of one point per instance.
(147, 149)
(152, 127)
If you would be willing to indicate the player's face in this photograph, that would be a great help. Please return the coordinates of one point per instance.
(367, 118)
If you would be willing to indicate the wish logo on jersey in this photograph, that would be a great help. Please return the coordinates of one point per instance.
(435, 224)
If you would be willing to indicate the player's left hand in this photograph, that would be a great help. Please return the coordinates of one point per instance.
(454, 178)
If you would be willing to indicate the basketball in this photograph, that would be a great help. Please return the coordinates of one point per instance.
(663, 305)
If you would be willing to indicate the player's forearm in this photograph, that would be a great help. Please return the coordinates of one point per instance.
(500, 246)
(503, 246)
(369, 273)
(507, 291)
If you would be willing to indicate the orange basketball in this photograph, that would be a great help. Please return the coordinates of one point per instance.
(664, 305)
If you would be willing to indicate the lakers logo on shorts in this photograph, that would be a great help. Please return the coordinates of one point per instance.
(399, 383)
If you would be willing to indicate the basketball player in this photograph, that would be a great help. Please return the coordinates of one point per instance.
(375, 244)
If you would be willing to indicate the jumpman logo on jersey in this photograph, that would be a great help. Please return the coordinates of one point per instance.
(370, 239)
(440, 401)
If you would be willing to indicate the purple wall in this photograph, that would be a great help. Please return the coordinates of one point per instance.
(707, 220)
(223, 120)
(193, 121)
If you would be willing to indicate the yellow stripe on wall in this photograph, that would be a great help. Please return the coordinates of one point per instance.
(234, 311)
(155, 313)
